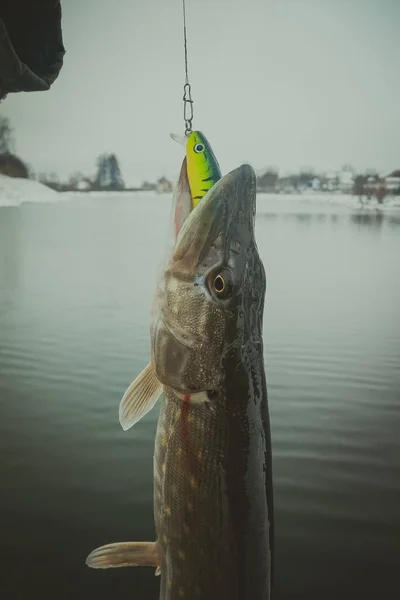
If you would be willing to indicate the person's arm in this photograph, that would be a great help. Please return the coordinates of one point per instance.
(31, 45)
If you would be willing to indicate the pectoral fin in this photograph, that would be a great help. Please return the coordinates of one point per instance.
(125, 554)
(139, 398)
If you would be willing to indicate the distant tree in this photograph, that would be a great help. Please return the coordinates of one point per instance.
(371, 185)
(87, 183)
(109, 175)
(52, 180)
(164, 185)
(324, 182)
(74, 180)
(347, 167)
(148, 186)
(358, 186)
(380, 193)
(306, 178)
(268, 180)
(6, 136)
(102, 180)
(31, 171)
(117, 182)
(43, 177)
(53, 177)
(12, 166)
(294, 181)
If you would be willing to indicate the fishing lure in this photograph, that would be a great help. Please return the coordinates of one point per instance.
(202, 166)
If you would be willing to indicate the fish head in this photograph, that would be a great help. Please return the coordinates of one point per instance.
(206, 295)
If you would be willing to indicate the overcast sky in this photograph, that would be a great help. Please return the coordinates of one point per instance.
(290, 83)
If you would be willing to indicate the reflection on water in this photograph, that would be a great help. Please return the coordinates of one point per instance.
(370, 218)
(76, 282)
(10, 256)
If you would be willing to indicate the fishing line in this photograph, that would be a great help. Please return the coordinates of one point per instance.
(187, 91)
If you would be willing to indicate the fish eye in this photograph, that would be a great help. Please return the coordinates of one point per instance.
(198, 148)
(221, 284)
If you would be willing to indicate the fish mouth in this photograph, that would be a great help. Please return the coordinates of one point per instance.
(226, 212)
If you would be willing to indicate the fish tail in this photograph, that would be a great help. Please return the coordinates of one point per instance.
(125, 554)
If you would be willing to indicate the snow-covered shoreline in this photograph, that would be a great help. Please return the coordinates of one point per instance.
(339, 201)
(14, 192)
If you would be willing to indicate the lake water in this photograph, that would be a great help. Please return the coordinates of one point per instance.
(76, 281)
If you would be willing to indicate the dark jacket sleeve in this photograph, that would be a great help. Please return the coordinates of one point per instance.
(31, 45)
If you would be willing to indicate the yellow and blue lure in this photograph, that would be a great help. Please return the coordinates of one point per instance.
(202, 167)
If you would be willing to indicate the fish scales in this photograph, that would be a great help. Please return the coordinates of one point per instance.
(213, 479)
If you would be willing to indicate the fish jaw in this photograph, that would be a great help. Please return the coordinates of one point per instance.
(225, 216)
(182, 200)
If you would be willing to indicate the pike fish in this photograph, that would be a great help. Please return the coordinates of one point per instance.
(213, 500)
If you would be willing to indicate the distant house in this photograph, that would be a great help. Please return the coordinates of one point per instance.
(287, 185)
(392, 182)
(331, 182)
(316, 184)
(371, 185)
(84, 185)
(147, 186)
(346, 181)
